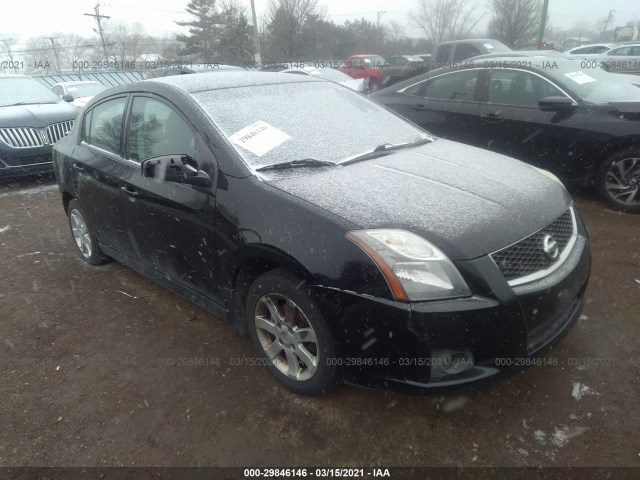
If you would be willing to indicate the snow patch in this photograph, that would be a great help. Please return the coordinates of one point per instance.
(540, 436)
(4, 229)
(580, 390)
(454, 404)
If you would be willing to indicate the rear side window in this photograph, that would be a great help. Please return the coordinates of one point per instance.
(103, 125)
(460, 86)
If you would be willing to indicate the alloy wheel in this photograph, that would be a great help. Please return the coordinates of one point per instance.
(287, 337)
(80, 233)
(622, 182)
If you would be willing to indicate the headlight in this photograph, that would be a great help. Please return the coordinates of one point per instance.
(547, 174)
(413, 267)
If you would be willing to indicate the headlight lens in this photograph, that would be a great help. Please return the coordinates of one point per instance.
(414, 268)
(547, 174)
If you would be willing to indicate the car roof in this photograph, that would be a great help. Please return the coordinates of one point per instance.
(535, 61)
(595, 45)
(231, 79)
(470, 40)
(520, 54)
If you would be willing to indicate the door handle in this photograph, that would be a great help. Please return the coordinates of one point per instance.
(419, 107)
(492, 117)
(77, 167)
(132, 192)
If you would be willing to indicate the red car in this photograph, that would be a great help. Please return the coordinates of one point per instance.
(366, 66)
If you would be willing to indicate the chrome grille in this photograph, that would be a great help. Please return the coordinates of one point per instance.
(526, 259)
(21, 137)
(56, 131)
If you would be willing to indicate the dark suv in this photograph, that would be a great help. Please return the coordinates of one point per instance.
(32, 119)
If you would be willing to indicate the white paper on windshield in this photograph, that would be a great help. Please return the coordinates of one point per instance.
(259, 138)
(488, 46)
(580, 77)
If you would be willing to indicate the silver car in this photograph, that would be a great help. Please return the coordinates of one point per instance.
(622, 59)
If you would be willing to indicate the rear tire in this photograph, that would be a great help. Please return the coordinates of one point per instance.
(289, 331)
(618, 180)
(83, 235)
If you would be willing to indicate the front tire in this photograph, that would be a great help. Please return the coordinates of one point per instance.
(619, 180)
(288, 329)
(83, 235)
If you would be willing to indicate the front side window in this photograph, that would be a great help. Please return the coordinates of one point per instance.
(518, 88)
(103, 125)
(443, 54)
(460, 86)
(156, 129)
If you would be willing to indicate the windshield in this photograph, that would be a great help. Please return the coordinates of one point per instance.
(596, 85)
(24, 91)
(85, 89)
(278, 123)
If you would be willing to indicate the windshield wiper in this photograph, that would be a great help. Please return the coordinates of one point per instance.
(304, 162)
(384, 149)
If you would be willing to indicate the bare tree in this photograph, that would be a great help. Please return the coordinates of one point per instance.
(448, 19)
(515, 22)
(127, 42)
(286, 20)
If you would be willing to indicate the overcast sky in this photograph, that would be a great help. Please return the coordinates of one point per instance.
(24, 19)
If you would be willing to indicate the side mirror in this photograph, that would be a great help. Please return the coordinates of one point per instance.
(178, 168)
(555, 104)
(68, 98)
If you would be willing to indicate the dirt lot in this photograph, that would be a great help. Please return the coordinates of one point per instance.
(81, 384)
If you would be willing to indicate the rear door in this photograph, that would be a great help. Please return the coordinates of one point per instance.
(97, 169)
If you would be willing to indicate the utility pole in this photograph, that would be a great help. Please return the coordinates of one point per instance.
(256, 38)
(606, 22)
(55, 52)
(98, 18)
(543, 22)
(379, 14)
(6, 44)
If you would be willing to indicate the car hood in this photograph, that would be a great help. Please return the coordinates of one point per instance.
(37, 115)
(467, 201)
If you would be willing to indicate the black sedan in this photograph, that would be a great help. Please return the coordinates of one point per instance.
(567, 116)
(32, 118)
(345, 241)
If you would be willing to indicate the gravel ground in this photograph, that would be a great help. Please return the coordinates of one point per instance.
(82, 384)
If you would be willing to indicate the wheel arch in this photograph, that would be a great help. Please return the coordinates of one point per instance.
(66, 199)
(255, 260)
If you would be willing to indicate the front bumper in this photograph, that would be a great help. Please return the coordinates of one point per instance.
(390, 345)
(18, 162)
